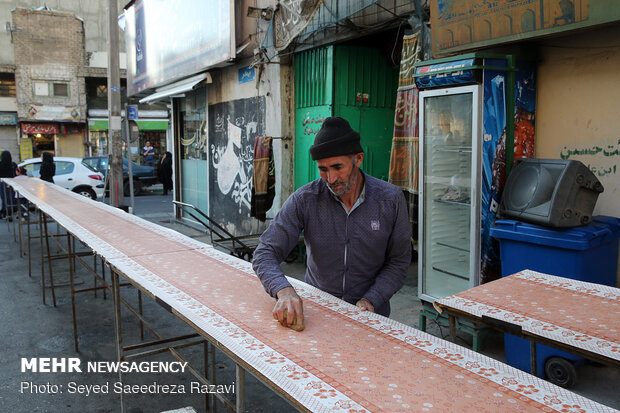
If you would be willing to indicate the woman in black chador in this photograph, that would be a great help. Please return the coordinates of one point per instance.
(165, 172)
(48, 169)
(7, 170)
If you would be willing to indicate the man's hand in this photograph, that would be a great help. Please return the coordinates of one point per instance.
(365, 305)
(289, 309)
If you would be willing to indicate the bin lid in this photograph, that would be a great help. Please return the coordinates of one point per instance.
(601, 230)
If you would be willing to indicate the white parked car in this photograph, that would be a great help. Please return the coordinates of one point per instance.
(71, 173)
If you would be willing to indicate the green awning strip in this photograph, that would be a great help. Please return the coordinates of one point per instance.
(102, 124)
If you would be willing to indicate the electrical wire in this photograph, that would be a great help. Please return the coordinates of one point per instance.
(395, 43)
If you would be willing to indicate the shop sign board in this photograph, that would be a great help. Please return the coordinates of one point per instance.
(463, 25)
(48, 112)
(8, 119)
(173, 39)
(25, 149)
(44, 128)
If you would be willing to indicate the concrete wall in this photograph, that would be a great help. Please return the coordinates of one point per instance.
(577, 115)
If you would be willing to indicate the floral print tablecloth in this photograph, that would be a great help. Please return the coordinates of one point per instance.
(576, 313)
(345, 360)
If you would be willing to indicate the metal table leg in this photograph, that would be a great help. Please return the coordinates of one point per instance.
(240, 389)
(49, 260)
(533, 363)
(116, 299)
(70, 257)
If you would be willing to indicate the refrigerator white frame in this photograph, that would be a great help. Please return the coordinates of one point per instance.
(476, 184)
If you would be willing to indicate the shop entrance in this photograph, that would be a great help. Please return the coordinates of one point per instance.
(42, 142)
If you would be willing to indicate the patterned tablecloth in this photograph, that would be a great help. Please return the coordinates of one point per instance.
(345, 360)
(579, 314)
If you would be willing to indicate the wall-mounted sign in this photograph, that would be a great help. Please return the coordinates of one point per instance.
(246, 74)
(173, 39)
(460, 25)
(8, 119)
(25, 149)
(45, 128)
(47, 112)
(132, 112)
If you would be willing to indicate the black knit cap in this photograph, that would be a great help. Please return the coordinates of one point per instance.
(335, 138)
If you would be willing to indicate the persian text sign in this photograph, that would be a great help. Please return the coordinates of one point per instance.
(46, 128)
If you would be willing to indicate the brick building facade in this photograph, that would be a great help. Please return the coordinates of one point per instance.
(50, 84)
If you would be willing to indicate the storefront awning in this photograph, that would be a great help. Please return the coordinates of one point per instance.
(143, 124)
(179, 87)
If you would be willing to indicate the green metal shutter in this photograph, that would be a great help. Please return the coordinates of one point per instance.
(313, 103)
(335, 81)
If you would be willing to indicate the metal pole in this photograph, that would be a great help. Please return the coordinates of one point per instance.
(12, 194)
(95, 271)
(240, 389)
(129, 163)
(114, 109)
(213, 379)
(29, 246)
(533, 361)
(206, 367)
(6, 206)
(140, 312)
(42, 255)
(116, 297)
(71, 265)
(20, 217)
(103, 277)
(49, 260)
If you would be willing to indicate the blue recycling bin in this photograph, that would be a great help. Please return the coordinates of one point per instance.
(588, 253)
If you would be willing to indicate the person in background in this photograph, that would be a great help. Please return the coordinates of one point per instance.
(356, 230)
(7, 170)
(149, 154)
(48, 168)
(165, 172)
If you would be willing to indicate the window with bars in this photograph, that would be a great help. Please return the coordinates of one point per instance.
(7, 86)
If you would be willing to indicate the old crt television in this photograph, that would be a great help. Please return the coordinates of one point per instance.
(552, 192)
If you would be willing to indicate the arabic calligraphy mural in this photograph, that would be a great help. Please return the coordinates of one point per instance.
(602, 160)
(233, 126)
(458, 25)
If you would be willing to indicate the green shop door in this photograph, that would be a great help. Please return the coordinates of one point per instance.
(355, 83)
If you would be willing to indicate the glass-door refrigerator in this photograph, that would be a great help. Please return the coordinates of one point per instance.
(449, 194)
(476, 114)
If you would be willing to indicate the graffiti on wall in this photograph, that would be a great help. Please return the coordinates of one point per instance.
(233, 127)
(602, 160)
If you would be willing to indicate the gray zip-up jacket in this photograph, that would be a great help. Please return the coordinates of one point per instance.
(362, 253)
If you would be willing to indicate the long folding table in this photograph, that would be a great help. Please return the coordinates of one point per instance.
(345, 360)
(579, 317)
